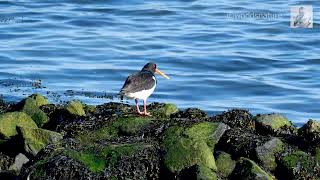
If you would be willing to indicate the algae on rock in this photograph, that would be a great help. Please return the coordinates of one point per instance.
(39, 99)
(9, 122)
(32, 109)
(36, 139)
(75, 108)
(225, 164)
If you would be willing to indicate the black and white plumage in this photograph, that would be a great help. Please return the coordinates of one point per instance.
(141, 85)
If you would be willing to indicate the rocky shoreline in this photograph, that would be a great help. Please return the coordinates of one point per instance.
(39, 140)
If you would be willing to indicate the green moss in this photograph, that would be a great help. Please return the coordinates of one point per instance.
(166, 110)
(90, 108)
(296, 158)
(32, 109)
(275, 121)
(266, 153)
(250, 170)
(89, 159)
(188, 147)
(75, 108)
(317, 155)
(130, 125)
(107, 132)
(39, 99)
(225, 164)
(205, 173)
(36, 139)
(9, 122)
(202, 131)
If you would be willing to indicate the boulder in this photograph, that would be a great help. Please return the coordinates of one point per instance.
(163, 110)
(236, 118)
(298, 165)
(273, 124)
(186, 147)
(9, 121)
(248, 169)
(75, 108)
(20, 160)
(191, 113)
(266, 153)
(311, 131)
(36, 139)
(39, 99)
(5, 163)
(225, 164)
(31, 107)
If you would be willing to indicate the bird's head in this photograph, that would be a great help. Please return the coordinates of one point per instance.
(152, 67)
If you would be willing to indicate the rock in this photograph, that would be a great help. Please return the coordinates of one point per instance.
(191, 113)
(273, 124)
(311, 131)
(75, 108)
(240, 142)
(90, 108)
(39, 99)
(5, 162)
(266, 153)
(36, 139)
(20, 160)
(317, 154)
(236, 118)
(32, 109)
(225, 164)
(248, 169)
(9, 121)
(162, 110)
(131, 125)
(186, 147)
(205, 173)
(298, 165)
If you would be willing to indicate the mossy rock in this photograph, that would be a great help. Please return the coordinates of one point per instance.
(131, 125)
(75, 108)
(36, 139)
(164, 110)
(266, 153)
(248, 169)
(311, 131)
(9, 121)
(186, 147)
(205, 173)
(225, 164)
(317, 154)
(39, 99)
(32, 109)
(90, 108)
(299, 165)
(272, 123)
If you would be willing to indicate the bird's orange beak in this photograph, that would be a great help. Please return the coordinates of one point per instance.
(162, 74)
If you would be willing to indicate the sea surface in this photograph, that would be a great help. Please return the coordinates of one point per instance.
(220, 54)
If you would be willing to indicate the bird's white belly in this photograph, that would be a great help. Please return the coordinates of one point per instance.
(144, 94)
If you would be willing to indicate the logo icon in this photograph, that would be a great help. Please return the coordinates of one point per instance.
(301, 17)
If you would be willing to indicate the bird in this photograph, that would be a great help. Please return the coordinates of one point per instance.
(141, 85)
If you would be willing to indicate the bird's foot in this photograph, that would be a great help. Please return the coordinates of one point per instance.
(147, 114)
(140, 113)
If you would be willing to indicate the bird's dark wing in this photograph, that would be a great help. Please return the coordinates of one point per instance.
(138, 82)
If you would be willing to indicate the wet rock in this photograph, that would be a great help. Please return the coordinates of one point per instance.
(241, 143)
(186, 147)
(298, 165)
(20, 160)
(162, 110)
(273, 124)
(31, 107)
(266, 153)
(5, 162)
(311, 131)
(191, 113)
(39, 99)
(36, 139)
(75, 108)
(225, 164)
(205, 173)
(9, 121)
(248, 169)
(236, 118)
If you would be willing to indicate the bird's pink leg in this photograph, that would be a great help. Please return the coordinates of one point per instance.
(145, 108)
(137, 106)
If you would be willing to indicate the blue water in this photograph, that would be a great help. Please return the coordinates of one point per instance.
(84, 49)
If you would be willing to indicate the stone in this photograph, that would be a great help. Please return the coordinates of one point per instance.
(311, 131)
(32, 109)
(248, 169)
(9, 121)
(75, 108)
(266, 153)
(273, 124)
(20, 160)
(36, 139)
(39, 99)
(225, 164)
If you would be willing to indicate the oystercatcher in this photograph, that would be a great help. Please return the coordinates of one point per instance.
(141, 85)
